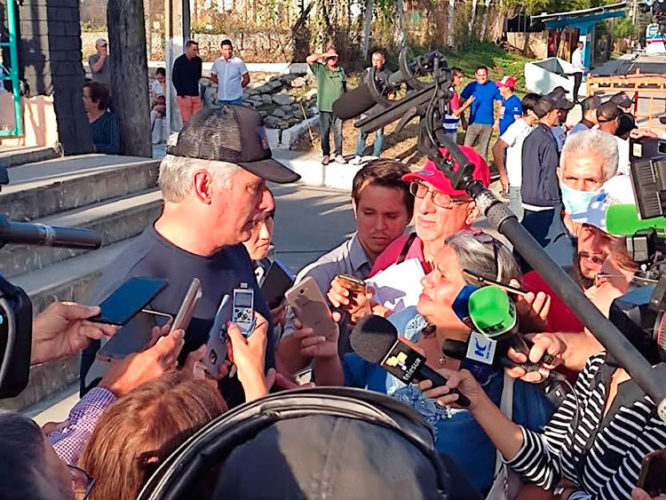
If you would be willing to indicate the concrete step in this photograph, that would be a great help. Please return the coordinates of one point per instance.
(115, 220)
(41, 189)
(14, 156)
(72, 279)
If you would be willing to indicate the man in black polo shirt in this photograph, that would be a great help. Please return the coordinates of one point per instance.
(214, 187)
(185, 78)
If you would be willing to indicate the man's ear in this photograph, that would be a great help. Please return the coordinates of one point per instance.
(473, 212)
(354, 208)
(203, 186)
(559, 173)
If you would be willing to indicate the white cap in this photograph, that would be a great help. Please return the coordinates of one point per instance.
(100, 41)
(616, 191)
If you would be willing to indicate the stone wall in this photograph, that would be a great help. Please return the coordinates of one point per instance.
(50, 64)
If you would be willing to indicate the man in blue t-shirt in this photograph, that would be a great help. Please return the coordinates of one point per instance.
(511, 108)
(481, 115)
(214, 187)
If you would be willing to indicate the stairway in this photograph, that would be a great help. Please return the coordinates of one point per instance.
(116, 196)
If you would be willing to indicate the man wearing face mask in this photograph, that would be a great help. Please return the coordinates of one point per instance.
(589, 159)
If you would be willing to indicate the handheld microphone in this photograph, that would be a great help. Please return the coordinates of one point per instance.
(493, 314)
(43, 235)
(624, 220)
(376, 340)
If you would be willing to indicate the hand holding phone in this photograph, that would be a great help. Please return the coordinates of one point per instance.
(311, 308)
(216, 351)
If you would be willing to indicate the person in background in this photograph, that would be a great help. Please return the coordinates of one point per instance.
(185, 77)
(627, 121)
(157, 88)
(608, 116)
(539, 187)
(508, 150)
(331, 84)
(589, 107)
(158, 105)
(259, 245)
(100, 63)
(579, 68)
(511, 108)
(103, 124)
(481, 115)
(560, 129)
(230, 74)
(382, 75)
(383, 206)
(456, 113)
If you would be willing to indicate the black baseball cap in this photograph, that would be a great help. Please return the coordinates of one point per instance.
(621, 99)
(590, 103)
(608, 112)
(549, 102)
(233, 134)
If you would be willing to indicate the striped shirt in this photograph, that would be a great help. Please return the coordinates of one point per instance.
(602, 455)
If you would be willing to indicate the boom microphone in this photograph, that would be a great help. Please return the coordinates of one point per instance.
(376, 340)
(354, 103)
(43, 235)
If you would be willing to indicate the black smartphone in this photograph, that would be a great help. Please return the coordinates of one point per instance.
(652, 478)
(134, 336)
(128, 299)
(277, 281)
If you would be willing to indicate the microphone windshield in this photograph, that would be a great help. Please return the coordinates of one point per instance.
(492, 311)
(623, 220)
(373, 337)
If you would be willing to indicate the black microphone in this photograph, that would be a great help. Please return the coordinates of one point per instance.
(43, 235)
(354, 103)
(376, 340)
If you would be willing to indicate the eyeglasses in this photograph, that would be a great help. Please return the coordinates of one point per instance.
(82, 482)
(487, 239)
(442, 200)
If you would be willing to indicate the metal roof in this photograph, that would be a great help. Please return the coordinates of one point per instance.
(579, 13)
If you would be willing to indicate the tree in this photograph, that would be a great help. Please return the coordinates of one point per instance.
(129, 75)
(367, 27)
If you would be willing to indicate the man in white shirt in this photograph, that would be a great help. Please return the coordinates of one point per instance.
(579, 68)
(511, 170)
(231, 76)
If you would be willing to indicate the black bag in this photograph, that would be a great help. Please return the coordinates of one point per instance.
(211, 445)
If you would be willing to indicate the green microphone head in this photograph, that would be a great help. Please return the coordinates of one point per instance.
(623, 220)
(492, 312)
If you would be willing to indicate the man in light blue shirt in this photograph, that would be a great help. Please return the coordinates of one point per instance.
(231, 76)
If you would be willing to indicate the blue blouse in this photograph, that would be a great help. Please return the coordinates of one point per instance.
(456, 431)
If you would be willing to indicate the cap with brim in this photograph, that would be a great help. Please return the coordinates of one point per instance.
(608, 112)
(616, 191)
(621, 99)
(100, 41)
(561, 101)
(590, 103)
(544, 106)
(433, 176)
(233, 134)
(507, 81)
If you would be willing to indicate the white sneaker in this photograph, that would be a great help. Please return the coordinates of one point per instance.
(340, 159)
(357, 160)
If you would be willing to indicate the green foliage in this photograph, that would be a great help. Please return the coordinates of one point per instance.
(499, 61)
(89, 27)
(624, 28)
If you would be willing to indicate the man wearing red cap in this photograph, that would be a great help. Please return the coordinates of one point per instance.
(439, 211)
(511, 108)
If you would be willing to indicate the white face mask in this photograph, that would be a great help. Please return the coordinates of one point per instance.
(576, 201)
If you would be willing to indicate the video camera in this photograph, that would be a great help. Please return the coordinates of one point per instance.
(15, 305)
(429, 101)
(640, 312)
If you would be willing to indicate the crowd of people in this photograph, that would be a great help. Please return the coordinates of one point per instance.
(217, 225)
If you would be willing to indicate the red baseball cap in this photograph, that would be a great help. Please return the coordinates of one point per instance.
(433, 176)
(507, 81)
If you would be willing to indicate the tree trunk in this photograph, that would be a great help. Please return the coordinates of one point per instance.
(484, 23)
(129, 75)
(450, 28)
(400, 24)
(472, 19)
(367, 27)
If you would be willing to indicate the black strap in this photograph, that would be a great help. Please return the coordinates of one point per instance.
(405, 249)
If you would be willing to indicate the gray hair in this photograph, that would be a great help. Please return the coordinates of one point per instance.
(593, 142)
(177, 174)
(490, 259)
